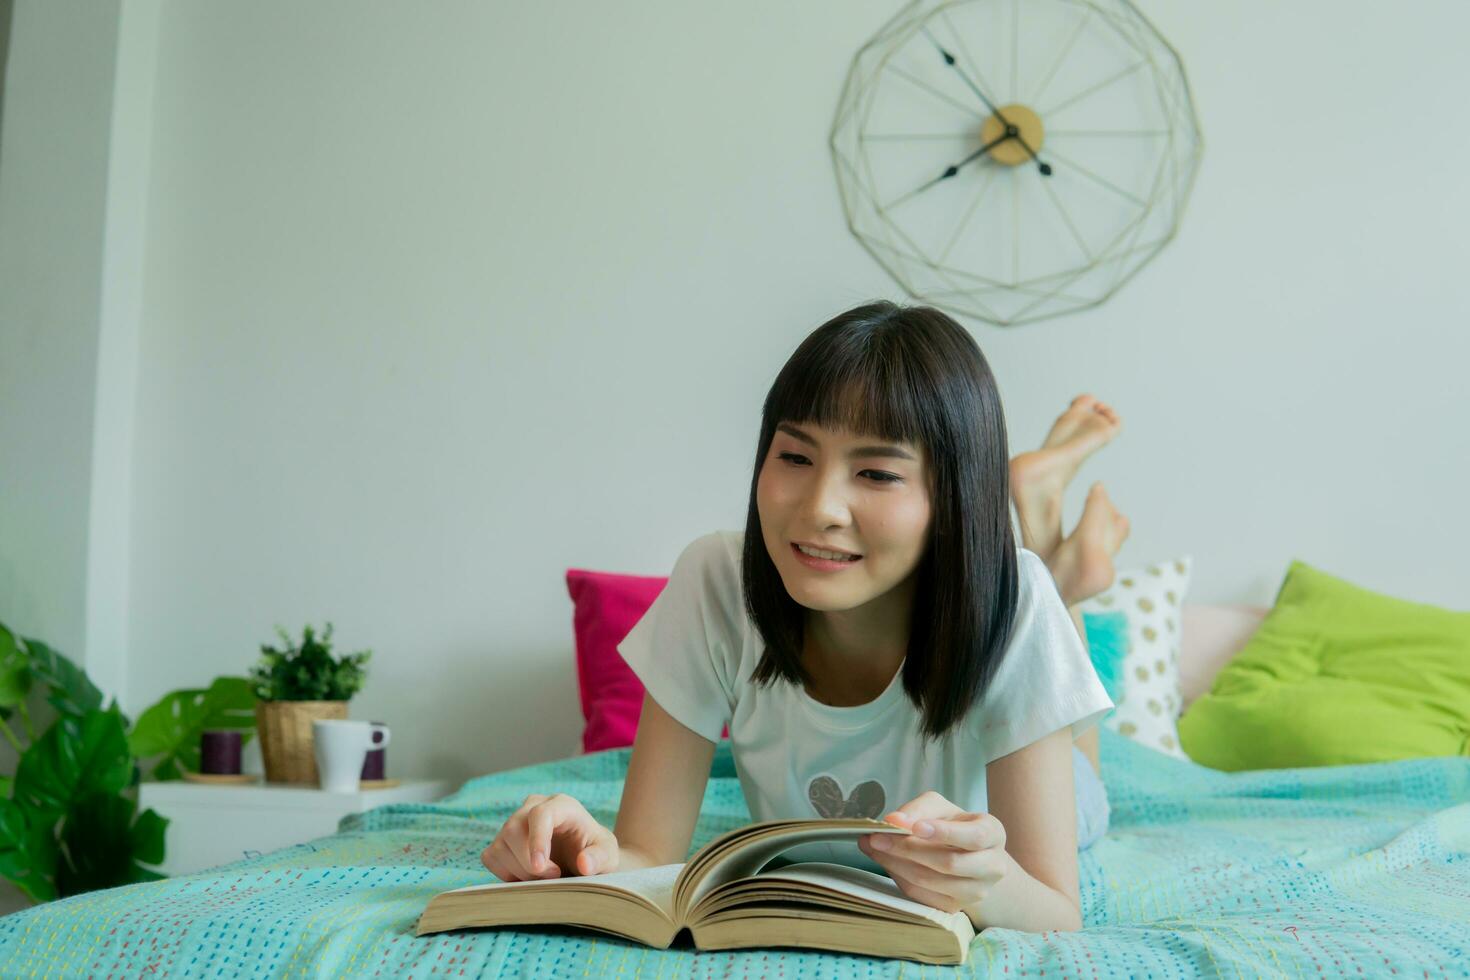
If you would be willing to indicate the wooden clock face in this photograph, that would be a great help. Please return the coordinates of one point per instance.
(1014, 160)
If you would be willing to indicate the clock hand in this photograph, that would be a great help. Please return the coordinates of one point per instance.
(949, 59)
(1044, 167)
(980, 152)
(953, 169)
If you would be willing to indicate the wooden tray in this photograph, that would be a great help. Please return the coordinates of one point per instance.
(221, 779)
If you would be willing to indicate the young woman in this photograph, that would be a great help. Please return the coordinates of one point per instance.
(876, 640)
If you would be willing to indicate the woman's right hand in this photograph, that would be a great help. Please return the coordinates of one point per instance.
(550, 836)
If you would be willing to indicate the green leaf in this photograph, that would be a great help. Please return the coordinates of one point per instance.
(74, 759)
(72, 692)
(148, 835)
(171, 728)
(307, 672)
(15, 671)
(28, 852)
(102, 844)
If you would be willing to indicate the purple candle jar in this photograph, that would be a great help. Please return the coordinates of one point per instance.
(219, 752)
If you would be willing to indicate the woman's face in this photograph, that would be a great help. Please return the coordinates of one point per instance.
(832, 490)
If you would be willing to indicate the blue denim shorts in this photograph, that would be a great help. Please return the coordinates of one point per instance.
(1092, 801)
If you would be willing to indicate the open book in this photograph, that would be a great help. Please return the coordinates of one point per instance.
(727, 899)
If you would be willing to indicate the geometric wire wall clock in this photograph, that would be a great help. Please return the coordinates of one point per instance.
(1011, 160)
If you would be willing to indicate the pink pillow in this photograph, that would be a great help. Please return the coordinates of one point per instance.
(606, 607)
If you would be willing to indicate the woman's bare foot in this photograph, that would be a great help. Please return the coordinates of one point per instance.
(1038, 477)
(1083, 564)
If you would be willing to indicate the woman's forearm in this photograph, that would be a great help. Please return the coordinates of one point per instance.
(1020, 901)
(631, 858)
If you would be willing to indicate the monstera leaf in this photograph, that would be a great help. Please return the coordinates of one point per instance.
(72, 692)
(75, 759)
(68, 820)
(171, 728)
(15, 672)
(28, 851)
(102, 844)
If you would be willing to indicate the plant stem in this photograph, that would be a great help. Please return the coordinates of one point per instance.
(25, 716)
(10, 737)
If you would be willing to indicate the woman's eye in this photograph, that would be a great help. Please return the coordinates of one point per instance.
(877, 476)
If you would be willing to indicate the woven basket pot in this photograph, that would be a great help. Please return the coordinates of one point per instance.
(284, 730)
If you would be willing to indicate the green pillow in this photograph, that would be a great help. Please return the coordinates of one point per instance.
(1335, 675)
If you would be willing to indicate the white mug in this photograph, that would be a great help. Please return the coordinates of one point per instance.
(341, 746)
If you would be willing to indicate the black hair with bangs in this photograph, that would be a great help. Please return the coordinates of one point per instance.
(910, 374)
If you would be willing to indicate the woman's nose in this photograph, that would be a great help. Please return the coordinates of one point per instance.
(826, 502)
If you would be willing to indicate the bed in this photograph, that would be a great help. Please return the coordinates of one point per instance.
(1346, 870)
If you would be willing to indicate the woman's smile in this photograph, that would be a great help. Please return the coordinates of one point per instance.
(823, 560)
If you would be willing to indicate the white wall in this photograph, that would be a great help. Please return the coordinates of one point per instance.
(439, 304)
(53, 175)
(55, 148)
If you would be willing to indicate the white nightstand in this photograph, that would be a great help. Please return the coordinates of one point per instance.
(213, 825)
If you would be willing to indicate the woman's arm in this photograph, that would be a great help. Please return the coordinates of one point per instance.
(1031, 793)
(665, 786)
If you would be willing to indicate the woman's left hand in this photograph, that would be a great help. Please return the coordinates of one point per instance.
(953, 859)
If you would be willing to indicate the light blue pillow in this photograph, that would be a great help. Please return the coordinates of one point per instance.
(1107, 643)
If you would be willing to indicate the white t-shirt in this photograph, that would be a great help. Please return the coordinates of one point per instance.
(696, 649)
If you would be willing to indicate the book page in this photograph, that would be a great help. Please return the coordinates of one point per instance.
(655, 885)
(748, 854)
(866, 885)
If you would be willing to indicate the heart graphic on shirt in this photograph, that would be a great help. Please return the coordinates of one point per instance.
(866, 800)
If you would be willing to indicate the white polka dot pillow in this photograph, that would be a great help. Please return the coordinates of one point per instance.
(1149, 700)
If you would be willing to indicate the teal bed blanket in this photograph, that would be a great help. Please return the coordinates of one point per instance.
(1351, 870)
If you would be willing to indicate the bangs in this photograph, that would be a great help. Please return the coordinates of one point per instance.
(867, 389)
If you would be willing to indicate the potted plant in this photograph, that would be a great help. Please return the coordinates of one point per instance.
(69, 818)
(296, 685)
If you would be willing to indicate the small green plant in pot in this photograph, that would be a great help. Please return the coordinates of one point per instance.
(298, 684)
